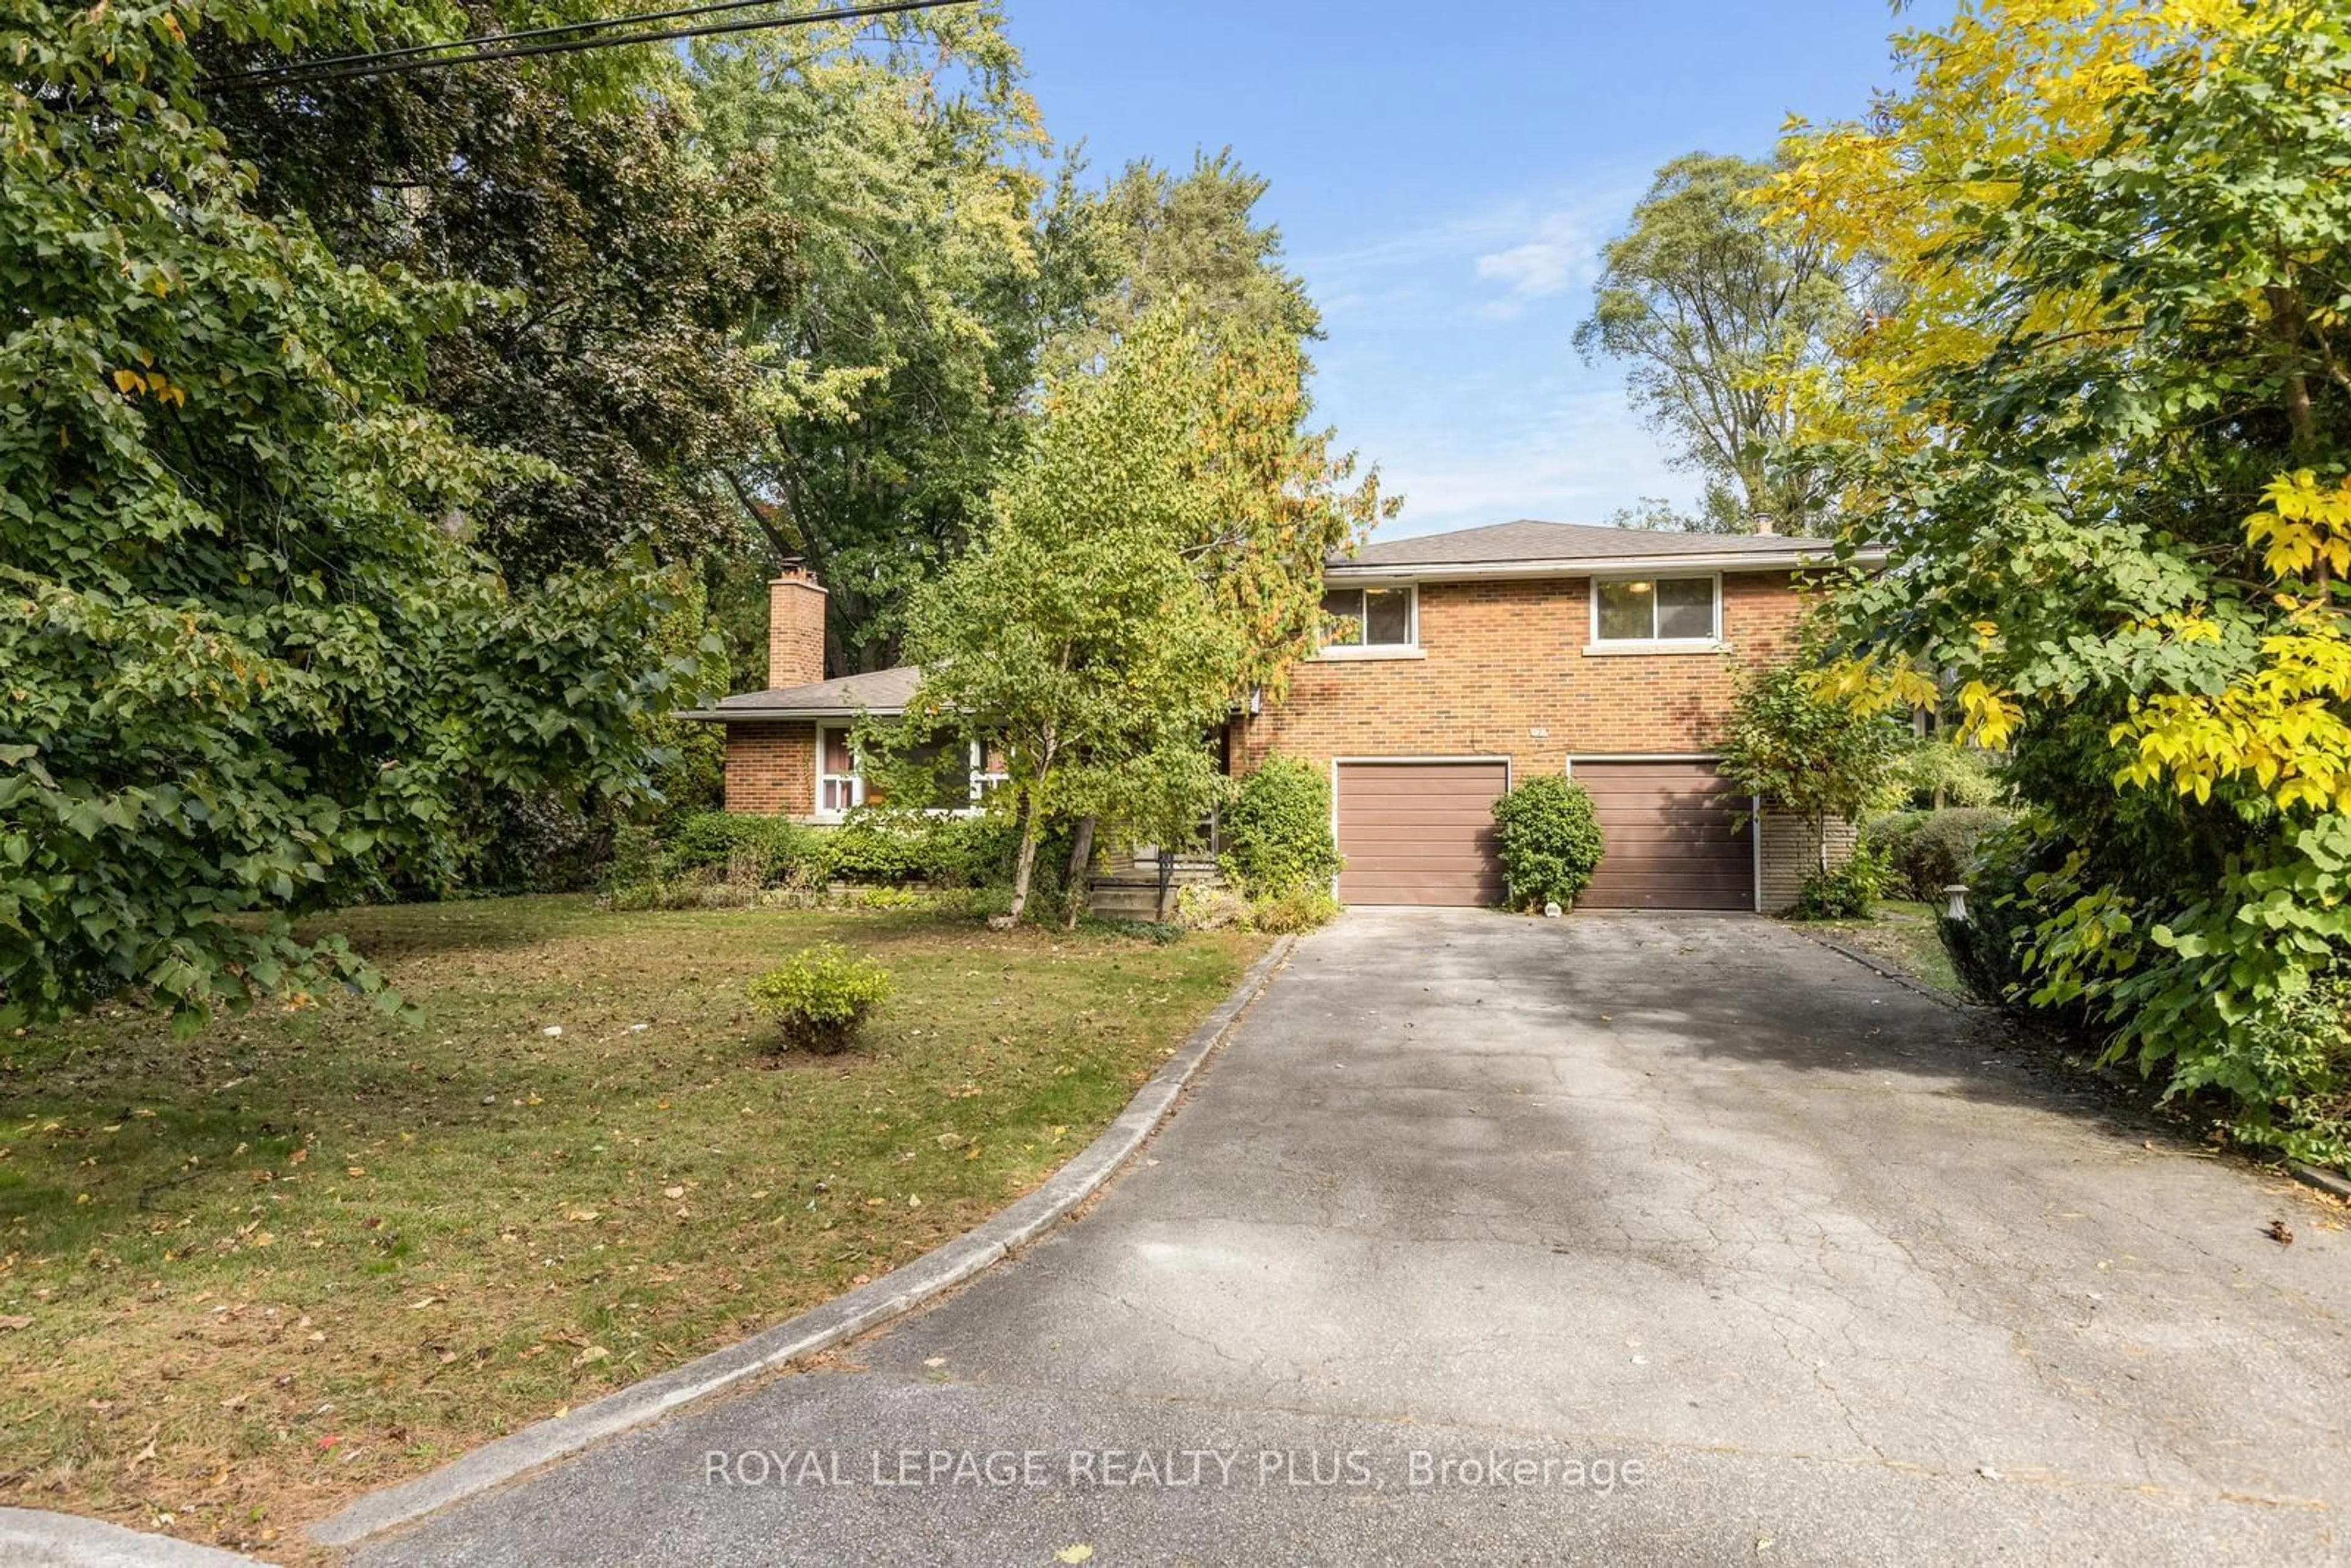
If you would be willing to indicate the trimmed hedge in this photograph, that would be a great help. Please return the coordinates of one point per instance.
(880, 847)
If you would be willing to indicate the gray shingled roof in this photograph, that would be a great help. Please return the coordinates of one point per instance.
(876, 692)
(1505, 544)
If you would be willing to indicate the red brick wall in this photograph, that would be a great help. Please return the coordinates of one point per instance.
(772, 767)
(795, 631)
(1504, 658)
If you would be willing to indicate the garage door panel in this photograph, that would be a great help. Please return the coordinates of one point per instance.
(1673, 836)
(1420, 832)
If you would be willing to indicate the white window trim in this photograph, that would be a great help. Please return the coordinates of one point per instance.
(856, 775)
(977, 772)
(1711, 642)
(1409, 648)
(981, 779)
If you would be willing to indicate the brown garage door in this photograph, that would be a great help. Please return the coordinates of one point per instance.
(1670, 843)
(1420, 832)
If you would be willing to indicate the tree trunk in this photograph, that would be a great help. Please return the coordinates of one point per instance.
(1027, 861)
(1081, 859)
(1167, 875)
(1821, 840)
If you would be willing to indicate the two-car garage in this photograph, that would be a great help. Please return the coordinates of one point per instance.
(1421, 830)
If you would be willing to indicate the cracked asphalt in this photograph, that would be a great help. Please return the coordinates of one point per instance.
(1619, 1239)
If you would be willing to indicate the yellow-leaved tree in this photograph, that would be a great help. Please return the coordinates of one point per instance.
(2104, 431)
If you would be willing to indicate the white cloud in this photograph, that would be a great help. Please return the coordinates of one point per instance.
(1450, 363)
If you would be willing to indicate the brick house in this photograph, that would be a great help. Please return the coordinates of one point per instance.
(1465, 660)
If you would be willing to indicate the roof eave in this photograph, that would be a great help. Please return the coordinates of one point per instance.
(1588, 566)
(770, 715)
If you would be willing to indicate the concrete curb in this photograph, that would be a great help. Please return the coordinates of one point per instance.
(2323, 1180)
(845, 1317)
(33, 1538)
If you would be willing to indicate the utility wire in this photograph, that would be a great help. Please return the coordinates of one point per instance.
(427, 56)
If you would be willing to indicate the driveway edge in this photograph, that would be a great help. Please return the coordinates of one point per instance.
(36, 1538)
(894, 1295)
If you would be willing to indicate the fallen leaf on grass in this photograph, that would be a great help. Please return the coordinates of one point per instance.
(580, 1216)
(15, 1321)
(427, 1302)
(592, 1355)
(673, 1192)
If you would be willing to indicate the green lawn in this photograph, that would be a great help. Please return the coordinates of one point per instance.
(247, 1276)
(1902, 935)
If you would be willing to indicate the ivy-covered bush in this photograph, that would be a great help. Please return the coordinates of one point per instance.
(1929, 851)
(821, 997)
(1276, 830)
(1549, 838)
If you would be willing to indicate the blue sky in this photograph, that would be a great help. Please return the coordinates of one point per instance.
(1444, 186)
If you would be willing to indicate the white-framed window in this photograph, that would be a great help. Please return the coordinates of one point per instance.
(1370, 618)
(840, 783)
(986, 773)
(1667, 610)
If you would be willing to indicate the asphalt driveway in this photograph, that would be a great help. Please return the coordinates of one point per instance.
(1615, 1239)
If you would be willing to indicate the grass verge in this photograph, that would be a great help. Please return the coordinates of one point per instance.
(246, 1277)
(1902, 934)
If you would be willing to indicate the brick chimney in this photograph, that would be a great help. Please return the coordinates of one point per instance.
(795, 628)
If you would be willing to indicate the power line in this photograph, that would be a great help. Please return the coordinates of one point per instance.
(427, 56)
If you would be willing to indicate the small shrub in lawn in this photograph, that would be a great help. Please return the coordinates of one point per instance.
(1549, 840)
(1276, 830)
(821, 997)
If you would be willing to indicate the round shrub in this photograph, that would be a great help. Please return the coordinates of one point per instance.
(1548, 837)
(821, 997)
(1276, 830)
(1929, 851)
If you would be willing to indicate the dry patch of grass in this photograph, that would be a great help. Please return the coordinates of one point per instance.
(246, 1277)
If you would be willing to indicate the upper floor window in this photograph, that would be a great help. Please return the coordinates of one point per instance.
(1368, 618)
(1656, 610)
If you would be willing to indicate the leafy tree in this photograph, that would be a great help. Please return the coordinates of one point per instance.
(250, 666)
(1812, 757)
(1076, 636)
(2107, 440)
(1714, 314)
(1157, 554)
(1150, 237)
(899, 372)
